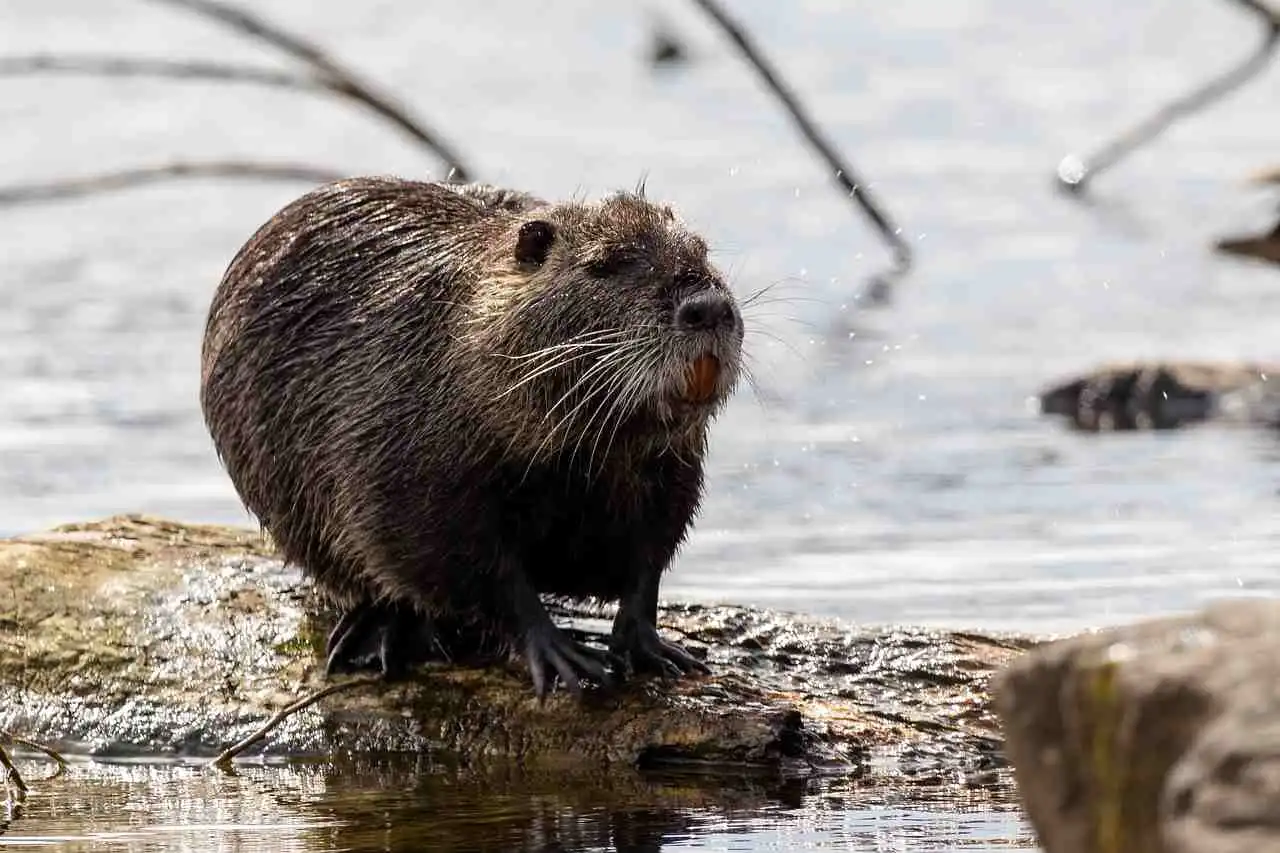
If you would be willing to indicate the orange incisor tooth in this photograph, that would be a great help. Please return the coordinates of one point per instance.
(700, 378)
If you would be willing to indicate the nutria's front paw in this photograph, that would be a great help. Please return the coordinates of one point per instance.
(636, 639)
(549, 652)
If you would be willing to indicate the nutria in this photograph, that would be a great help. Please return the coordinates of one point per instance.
(443, 401)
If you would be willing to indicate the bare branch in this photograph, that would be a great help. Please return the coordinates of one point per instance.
(841, 171)
(11, 774)
(47, 751)
(125, 178)
(339, 79)
(117, 66)
(1075, 172)
(224, 758)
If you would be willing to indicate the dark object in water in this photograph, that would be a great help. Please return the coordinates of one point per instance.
(1161, 396)
(1263, 247)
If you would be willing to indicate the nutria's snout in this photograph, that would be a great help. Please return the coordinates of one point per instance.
(707, 310)
(709, 332)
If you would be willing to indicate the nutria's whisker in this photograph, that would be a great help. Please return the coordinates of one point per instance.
(600, 367)
(626, 402)
(602, 364)
(566, 359)
(616, 387)
(599, 337)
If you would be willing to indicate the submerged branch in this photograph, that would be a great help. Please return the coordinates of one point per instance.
(11, 774)
(181, 69)
(843, 174)
(224, 758)
(126, 178)
(1075, 172)
(333, 75)
(12, 771)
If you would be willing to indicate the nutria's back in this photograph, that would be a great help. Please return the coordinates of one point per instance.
(424, 391)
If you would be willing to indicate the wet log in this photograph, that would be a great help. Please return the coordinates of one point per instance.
(1165, 395)
(1155, 738)
(138, 635)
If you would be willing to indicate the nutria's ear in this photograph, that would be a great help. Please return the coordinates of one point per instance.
(534, 241)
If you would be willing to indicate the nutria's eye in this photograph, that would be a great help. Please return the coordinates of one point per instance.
(534, 241)
(606, 267)
(691, 278)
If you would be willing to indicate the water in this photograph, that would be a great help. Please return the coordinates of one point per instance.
(405, 804)
(892, 467)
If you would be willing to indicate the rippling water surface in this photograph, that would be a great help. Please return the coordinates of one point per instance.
(407, 805)
(891, 466)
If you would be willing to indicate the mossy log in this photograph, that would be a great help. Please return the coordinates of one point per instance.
(137, 635)
(1165, 395)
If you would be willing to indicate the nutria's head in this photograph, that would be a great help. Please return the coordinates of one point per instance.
(604, 319)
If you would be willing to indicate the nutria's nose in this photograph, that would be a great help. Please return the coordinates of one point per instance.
(709, 309)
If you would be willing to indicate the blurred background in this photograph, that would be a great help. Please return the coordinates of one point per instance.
(891, 464)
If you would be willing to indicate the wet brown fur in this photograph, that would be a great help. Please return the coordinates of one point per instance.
(362, 381)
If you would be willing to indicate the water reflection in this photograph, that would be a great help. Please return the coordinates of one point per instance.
(411, 803)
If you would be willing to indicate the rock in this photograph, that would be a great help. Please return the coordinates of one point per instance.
(141, 635)
(1165, 395)
(1162, 737)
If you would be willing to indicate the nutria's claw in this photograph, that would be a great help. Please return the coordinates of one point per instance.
(388, 638)
(548, 651)
(648, 652)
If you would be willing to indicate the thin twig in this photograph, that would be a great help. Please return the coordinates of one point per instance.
(223, 761)
(11, 774)
(181, 69)
(1075, 172)
(125, 178)
(338, 78)
(841, 171)
(47, 751)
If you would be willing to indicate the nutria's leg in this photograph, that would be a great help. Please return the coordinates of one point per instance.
(384, 636)
(548, 651)
(635, 634)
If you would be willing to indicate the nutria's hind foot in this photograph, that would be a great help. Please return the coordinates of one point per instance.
(636, 639)
(386, 637)
(550, 652)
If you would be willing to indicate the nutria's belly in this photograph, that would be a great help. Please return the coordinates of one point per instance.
(581, 563)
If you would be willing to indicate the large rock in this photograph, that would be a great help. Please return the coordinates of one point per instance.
(142, 635)
(1166, 395)
(1163, 736)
